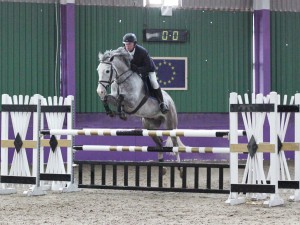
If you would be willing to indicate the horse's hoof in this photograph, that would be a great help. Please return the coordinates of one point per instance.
(180, 172)
(123, 116)
(110, 113)
(164, 171)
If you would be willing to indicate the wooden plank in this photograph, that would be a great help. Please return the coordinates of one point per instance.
(290, 146)
(262, 147)
(32, 144)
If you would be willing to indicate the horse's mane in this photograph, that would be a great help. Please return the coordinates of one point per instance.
(106, 56)
(117, 52)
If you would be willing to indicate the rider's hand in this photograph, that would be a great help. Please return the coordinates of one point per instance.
(134, 68)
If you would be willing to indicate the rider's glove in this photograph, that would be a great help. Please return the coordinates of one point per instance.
(134, 68)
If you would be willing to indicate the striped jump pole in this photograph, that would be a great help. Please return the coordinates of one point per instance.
(142, 132)
(108, 148)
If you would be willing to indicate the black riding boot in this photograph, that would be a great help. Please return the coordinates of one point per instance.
(162, 105)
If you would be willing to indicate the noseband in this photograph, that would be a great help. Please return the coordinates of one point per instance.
(107, 83)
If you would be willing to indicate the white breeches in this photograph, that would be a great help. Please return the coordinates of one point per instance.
(153, 80)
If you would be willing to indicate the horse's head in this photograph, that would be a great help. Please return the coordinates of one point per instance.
(113, 64)
(105, 73)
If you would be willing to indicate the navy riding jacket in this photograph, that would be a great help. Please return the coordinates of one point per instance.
(143, 61)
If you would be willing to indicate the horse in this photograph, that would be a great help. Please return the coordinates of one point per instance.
(128, 94)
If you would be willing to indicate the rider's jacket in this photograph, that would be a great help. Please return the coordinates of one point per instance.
(142, 60)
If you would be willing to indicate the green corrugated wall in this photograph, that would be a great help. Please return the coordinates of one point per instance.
(98, 29)
(285, 52)
(28, 48)
(218, 51)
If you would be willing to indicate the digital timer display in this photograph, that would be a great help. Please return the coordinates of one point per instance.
(165, 35)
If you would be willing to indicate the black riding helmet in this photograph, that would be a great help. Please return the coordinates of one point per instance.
(129, 37)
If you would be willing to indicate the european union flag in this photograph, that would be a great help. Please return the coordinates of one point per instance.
(171, 72)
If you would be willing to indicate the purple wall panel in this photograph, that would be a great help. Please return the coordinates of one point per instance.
(262, 54)
(68, 83)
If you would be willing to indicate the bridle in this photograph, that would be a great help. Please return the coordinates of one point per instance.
(118, 81)
(106, 83)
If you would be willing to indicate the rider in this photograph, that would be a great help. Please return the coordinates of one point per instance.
(143, 64)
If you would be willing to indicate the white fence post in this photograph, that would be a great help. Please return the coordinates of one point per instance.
(233, 139)
(296, 196)
(275, 199)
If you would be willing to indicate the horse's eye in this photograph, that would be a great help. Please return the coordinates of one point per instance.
(107, 71)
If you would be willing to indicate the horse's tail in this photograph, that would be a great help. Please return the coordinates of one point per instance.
(180, 144)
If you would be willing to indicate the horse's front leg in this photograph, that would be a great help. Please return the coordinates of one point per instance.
(108, 111)
(121, 111)
(109, 99)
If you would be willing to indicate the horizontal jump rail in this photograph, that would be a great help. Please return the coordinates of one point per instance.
(141, 132)
(151, 149)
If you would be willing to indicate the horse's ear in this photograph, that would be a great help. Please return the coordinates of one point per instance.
(100, 55)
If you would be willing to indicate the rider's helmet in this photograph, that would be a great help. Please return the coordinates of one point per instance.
(129, 37)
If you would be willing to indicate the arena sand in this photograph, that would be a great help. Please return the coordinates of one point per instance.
(115, 207)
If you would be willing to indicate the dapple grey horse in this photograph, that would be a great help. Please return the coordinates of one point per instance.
(129, 96)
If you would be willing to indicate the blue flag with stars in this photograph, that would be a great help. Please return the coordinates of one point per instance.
(171, 72)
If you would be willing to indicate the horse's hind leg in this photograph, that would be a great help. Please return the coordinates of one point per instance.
(171, 123)
(152, 124)
(159, 143)
(175, 143)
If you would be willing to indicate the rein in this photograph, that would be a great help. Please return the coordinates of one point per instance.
(110, 81)
(142, 102)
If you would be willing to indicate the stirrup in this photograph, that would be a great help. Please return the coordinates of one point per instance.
(163, 108)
